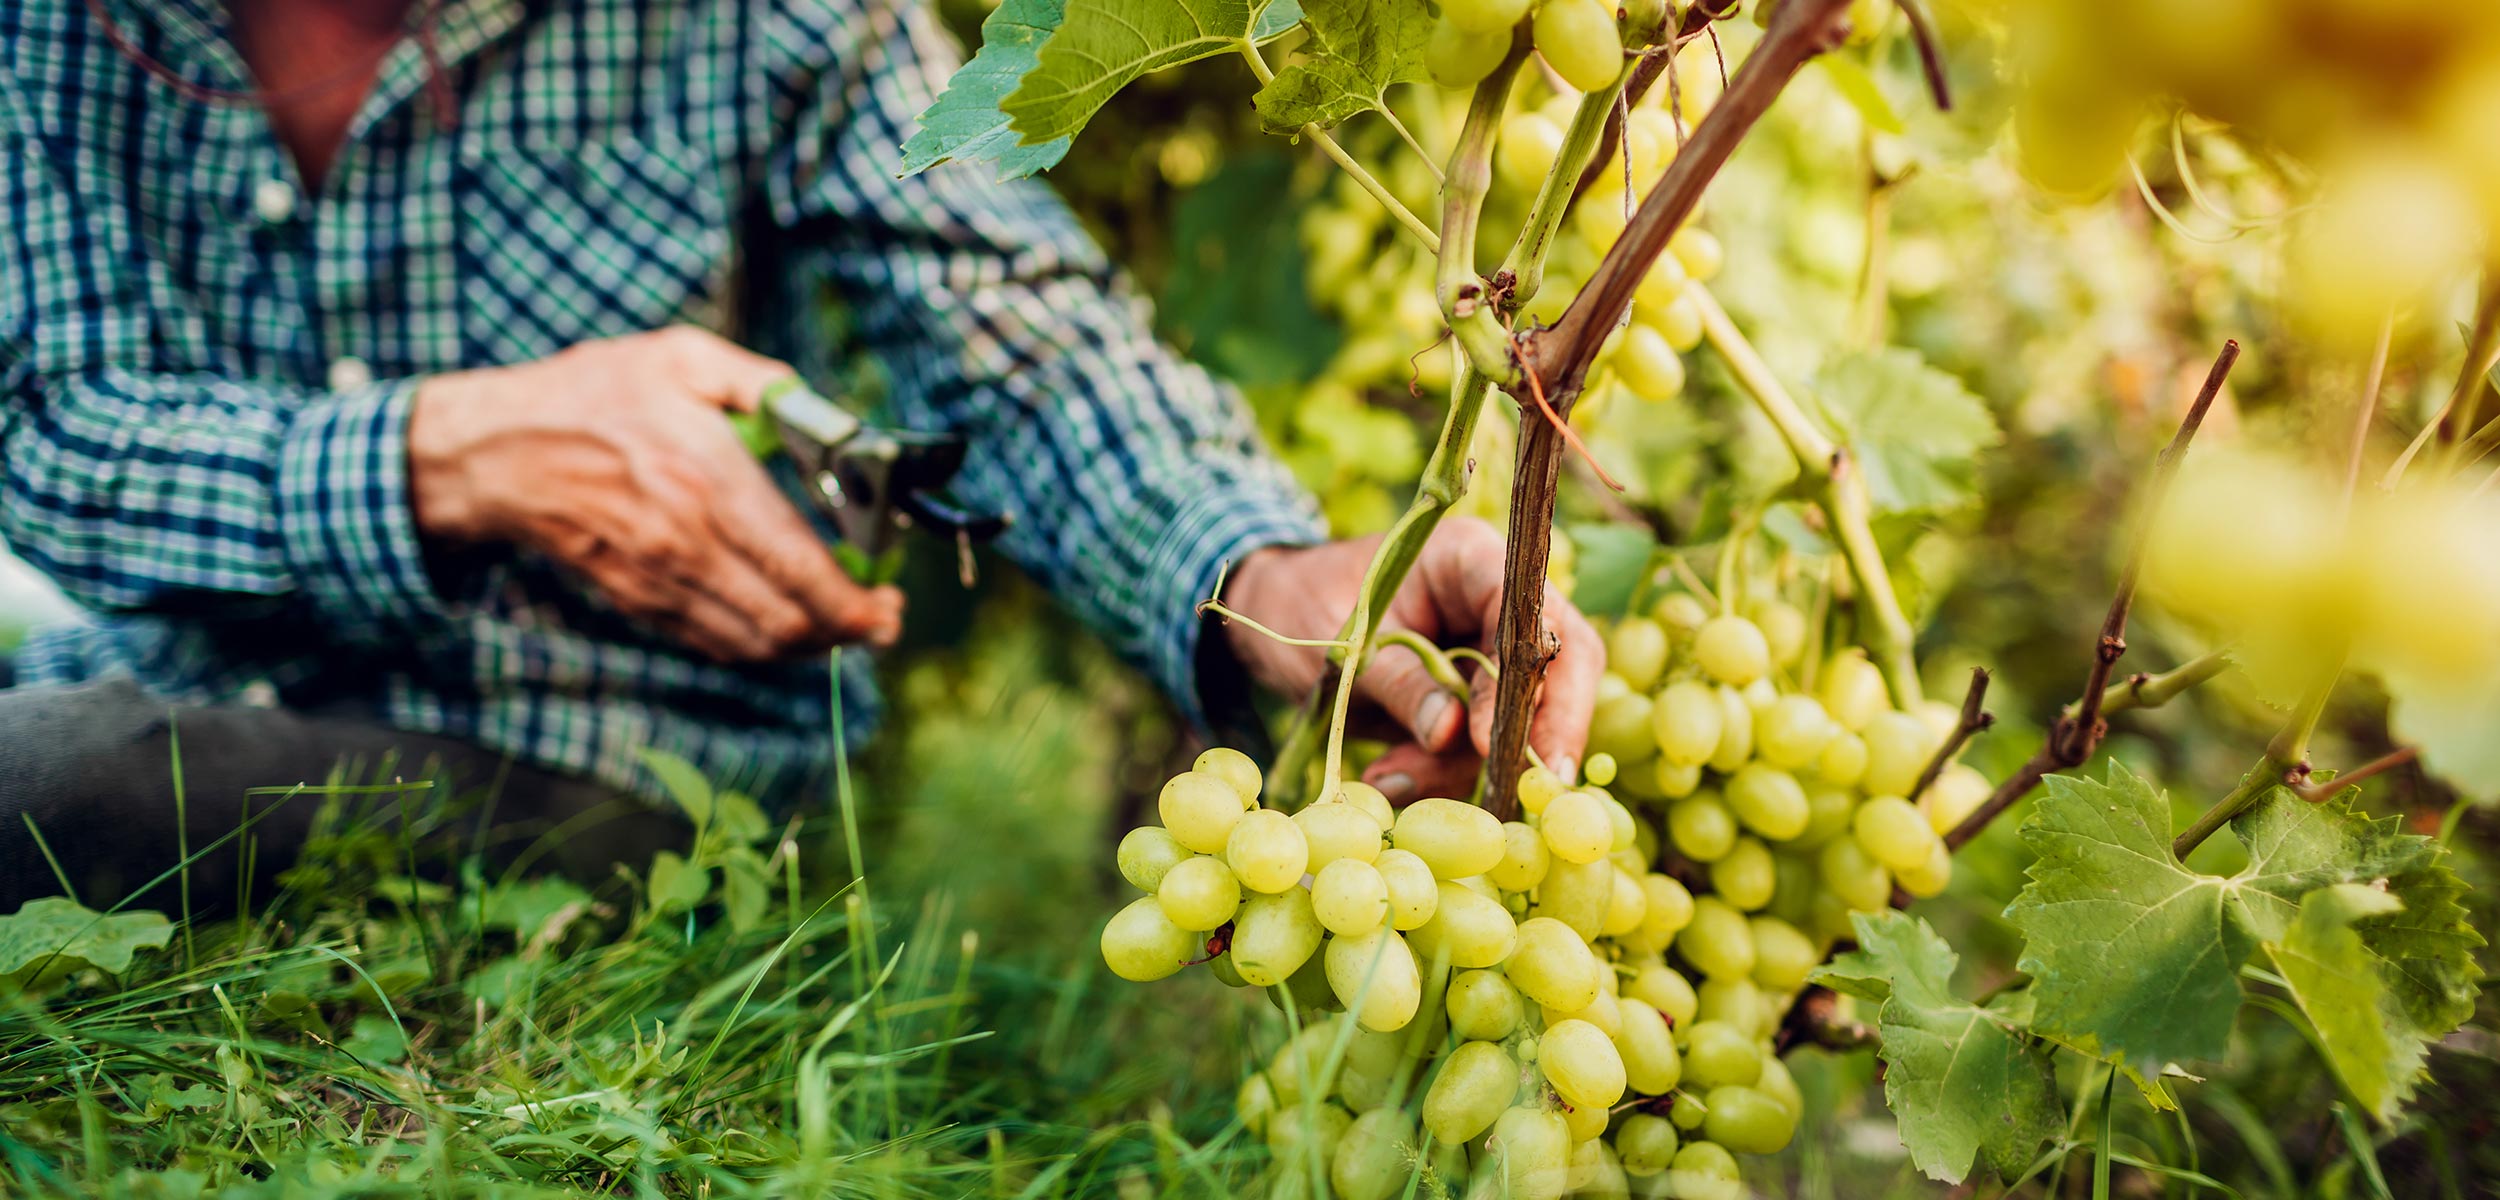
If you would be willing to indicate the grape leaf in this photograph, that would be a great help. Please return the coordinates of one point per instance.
(1857, 86)
(1611, 562)
(1915, 431)
(966, 122)
(2334, 978)
(53, 936)
(2136, 958)
(1362, 46)
(1100, 46)
(2452, 725)
(1965, 1081)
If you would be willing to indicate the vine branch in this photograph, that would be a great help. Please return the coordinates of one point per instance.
(1975, 720)
(2077, 733)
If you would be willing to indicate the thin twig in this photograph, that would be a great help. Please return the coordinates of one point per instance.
(2316, 791)
(1974, 721)
(2152, 691)
(2076, 734)
(1930, 52)
(2368, 409)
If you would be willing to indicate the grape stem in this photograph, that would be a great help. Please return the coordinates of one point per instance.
(1799, 30)
(2077, 733)
(1975, 720)
(1828, 477)
(1472, 309)
(1345, 162)
(2482, 349)
(2141, 690)
(2315, 791)
(2285, 764)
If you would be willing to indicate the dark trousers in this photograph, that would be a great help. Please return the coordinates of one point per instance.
(91, 768)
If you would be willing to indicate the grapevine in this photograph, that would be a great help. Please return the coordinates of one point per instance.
(1583, 978)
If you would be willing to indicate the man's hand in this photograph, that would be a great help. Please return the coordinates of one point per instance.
(613, 459)
(1452, 597)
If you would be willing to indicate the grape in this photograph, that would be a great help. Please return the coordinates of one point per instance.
(1646, 363)
(1718, 942)
(1368, 798)
(1306, 990)
(1661, 987)
(1957, 793)
(1646, 1143)
(1456, 58)
(1582, 1064)
(1828, 811)
(1142, 945)
(1930, 876)
(1628, 908)
(1600, 769)
(1147, 853)
(1371, 1066)
(1681, 322)
(1254, 1103)
(1686, 723)
(1781, 1087)
(1375, 975)
(1349, 897)
(1853, 690)
(1746, 876)
(1621, 727)
(1199, 894)
(1782, 955)
(1732, 650)
(1274, 936)
(1371, 1161)
(1601, 1012)
(1484, 16)
(1335, 829)
(1894, 833)
(1576, 828)
(1298, 1061)
(1524, 859)
(1703, 1171)
(1266, 851)
(1701, 828)
(1853, 875)
(1455, 839)
(1550, 964)
(1898, 746)
(1579, 40)
(1636, 651)
(1650, 1062)
(1719, 1053)
(1768, 801)
(1793, 899)
(1748, 1122)
(1482, 887)
(1537, 788)
(1317, 1131)
(1681, 612)
(1699, 251)
(1577, 894)
(1665, 279)
(1843, 761)
(1584, 1123)
(1483, 1006)
(1221, 966)
(1736, 1001)
(1793, 731)
(1200, 811)
(1413, 893)
(1783, 627)
(1233, 767)
(1735, 732)
(1687, 1113)
(1466, 930)
(1676, 781)
(1475, 1084)
(1624, 828)
(1526, 150)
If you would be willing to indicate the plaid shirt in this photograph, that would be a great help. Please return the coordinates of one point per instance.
(207, 372)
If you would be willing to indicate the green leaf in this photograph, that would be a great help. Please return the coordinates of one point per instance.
(1965, 1081)
(966, 122)
(1916, 431)
(745, 889)
(2135, 958)
(683, 784)
(376, 1039)
(2336, 981)
(1360, 48)
(1103, 45)
(1238, 299)
(1609, 561)
(49, 938)
(526, 907)
(1857, 86)
(676, 884)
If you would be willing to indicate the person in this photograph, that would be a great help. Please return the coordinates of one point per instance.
(365, 363)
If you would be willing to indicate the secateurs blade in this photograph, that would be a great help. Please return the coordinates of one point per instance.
(872, 482)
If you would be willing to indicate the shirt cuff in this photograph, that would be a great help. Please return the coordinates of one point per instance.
(1213, 532)
(345, 518)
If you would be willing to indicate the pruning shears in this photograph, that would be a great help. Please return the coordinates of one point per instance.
(872, 482)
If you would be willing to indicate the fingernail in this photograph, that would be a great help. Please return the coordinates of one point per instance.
(1398, 786)
(1565, 768)
(1429, 717)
